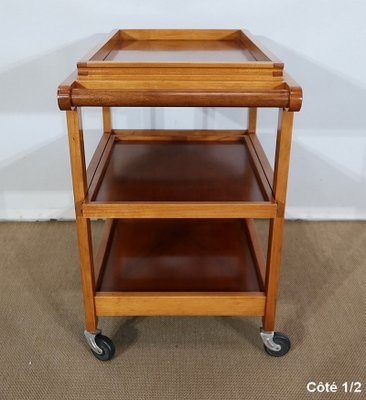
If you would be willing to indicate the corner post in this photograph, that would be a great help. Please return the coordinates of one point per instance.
(281, 168)
(252, 120)
(78, 170)
(107, 120)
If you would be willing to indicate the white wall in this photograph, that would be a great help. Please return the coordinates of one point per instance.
(322, 43)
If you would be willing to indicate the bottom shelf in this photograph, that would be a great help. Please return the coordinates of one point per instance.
(180, 255)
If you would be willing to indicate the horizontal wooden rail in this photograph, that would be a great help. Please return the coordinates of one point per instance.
(184, 209)
(178, 135)
(179, 303)
(179, 98)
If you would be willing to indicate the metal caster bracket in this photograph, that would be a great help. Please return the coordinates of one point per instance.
(267, 338)
(90, 339)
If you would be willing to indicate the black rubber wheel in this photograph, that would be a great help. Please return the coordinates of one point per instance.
(106, 345)
(281, 339)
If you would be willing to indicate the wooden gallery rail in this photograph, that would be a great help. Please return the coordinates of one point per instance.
(179, 205)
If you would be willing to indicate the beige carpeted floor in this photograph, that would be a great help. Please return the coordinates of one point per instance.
(322, 307)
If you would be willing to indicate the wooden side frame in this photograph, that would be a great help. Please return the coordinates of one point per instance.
(179, 303)
(268, 269)
(179, 209)
(182, 303)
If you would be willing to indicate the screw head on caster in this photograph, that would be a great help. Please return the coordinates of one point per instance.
(107, 346)
(282, 341)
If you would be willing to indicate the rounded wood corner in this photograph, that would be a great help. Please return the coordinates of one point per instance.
(64, 93)
(64, 98)
(295, 94)
(295, 99)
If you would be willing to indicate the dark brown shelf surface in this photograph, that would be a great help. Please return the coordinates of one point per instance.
(179, 255)
(179, 171)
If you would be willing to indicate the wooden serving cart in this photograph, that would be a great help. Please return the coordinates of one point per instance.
(179, 236)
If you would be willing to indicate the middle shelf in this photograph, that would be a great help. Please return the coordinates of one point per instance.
(195, 174)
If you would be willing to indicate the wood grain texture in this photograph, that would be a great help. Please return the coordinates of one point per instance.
(179, 180)
(64, 91)
(151, 135)
(180, 246)
(262, 157)
(107, 120)
(257, 251)
(282, 161)
(179, 51)
(102, 253)
(149, 71)
(180, 171)
(282, 157)
(180, 98)
(101, 50)
(184, 209)
(260, 173)
(295, 93)
(207, 255)
(192, 85)
(78, 170)
(179, 34)
(95, 160)
(150, 304)
(252, 120)
(258, 50)
(227, 68)
(100, 167)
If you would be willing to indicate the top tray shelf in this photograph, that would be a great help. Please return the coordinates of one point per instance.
(180, 51)
(181, 48)
(180, 68)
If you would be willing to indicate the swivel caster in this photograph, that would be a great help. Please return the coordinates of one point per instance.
(101, 346)
(276, 344)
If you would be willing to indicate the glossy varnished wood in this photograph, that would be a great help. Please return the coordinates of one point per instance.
(180, 50)
(149, 263)
(79, 179)
(179, 135)
(179, 255)
(104, 244)
(257, 251)
(282, 162)
(97, 169)
(179, 303)
(96, 158)
(179, 34)
(179, 209)
(107, 120)
(174, 174)
(222, 68)
(174, 41)
(179, 171)
(197, 95)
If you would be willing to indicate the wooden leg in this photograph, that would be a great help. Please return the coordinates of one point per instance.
(273, 270)
(78, 170)
(87, 272)
(283, 146)
(107, 120)
(252, 120)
